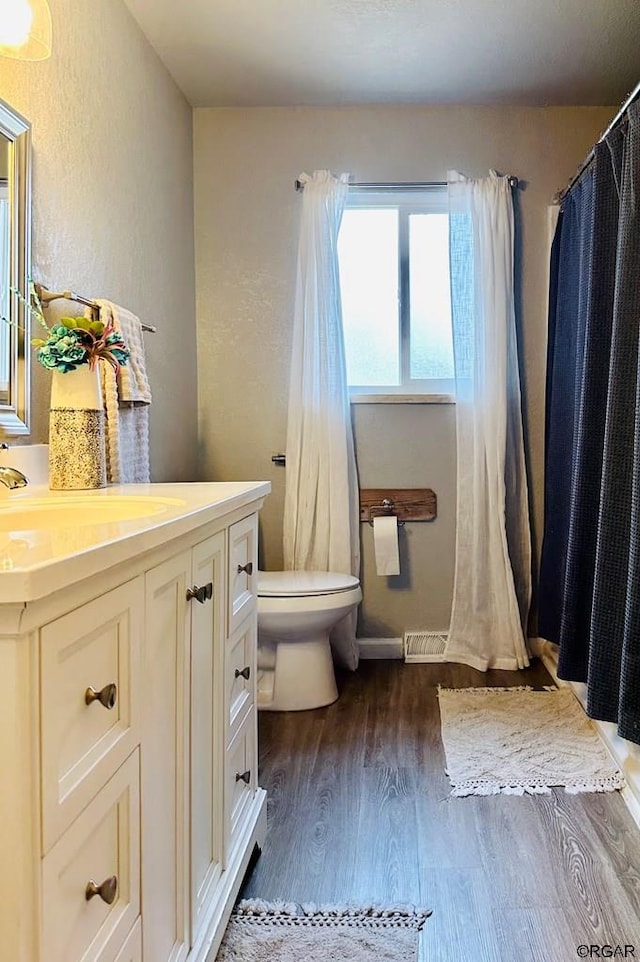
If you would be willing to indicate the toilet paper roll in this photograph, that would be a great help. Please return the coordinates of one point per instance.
(385, 543)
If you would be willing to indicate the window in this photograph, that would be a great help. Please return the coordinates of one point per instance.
(393, 250)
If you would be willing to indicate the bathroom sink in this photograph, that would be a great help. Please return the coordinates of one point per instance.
(35, 514)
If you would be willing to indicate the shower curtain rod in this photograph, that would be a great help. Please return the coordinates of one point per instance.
(635, 93)
(415, 185)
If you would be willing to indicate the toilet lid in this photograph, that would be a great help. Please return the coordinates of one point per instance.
(298, 584)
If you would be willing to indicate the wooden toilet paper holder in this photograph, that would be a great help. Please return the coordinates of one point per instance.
(407, 504)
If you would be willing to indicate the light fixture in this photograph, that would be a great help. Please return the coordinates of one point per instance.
(25, 29)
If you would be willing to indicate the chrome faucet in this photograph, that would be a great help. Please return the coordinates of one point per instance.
(11, 477)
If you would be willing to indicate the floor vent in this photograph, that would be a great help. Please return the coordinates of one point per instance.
(424, 645)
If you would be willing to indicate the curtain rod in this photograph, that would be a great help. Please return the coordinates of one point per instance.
(46, 297)
(560, 196)
(414, 185)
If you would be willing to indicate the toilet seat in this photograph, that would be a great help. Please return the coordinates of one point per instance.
(303, 584)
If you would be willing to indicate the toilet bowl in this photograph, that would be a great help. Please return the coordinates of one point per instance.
(296, 612)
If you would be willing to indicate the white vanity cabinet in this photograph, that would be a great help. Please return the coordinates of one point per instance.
(129, 804)
(207, 665)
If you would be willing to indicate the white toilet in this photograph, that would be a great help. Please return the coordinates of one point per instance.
(296, 612)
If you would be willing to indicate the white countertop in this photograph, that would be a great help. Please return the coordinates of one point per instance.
(39, 561)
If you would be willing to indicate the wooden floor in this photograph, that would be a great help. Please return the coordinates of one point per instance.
(359, 810)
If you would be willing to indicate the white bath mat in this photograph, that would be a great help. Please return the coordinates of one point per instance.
(261, 931)
(517, 740)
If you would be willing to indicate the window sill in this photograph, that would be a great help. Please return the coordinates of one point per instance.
(402, 399)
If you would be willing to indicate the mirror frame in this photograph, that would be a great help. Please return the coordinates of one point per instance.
(14, 414)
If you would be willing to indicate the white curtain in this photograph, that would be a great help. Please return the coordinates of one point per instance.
(492, 587)
(321, 513)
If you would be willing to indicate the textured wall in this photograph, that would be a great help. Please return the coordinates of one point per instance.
(113, 200)
(246, 228)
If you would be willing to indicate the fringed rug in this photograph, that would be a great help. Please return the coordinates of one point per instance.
(288, 932)
(517, 740)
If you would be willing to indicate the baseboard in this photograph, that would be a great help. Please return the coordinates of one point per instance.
(380, 648)
(626, 754)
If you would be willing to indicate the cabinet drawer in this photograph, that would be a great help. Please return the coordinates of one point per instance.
(94, 647)
(240, 672)
(103, 843)
(243, 570)
(240, 778)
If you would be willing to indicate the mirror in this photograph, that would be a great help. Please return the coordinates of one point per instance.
(15, 269)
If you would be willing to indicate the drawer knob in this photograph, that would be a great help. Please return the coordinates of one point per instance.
(107, 696)
(248, 568)
(244, 776)
(107, 890)
(244, 672)
(202, 593)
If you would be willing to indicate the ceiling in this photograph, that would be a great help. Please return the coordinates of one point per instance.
(324, 52)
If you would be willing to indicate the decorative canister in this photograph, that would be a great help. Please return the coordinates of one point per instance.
(77, 458)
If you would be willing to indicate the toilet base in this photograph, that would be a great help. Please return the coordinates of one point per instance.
(302, 678)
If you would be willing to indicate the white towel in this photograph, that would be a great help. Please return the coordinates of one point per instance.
(133, 383)
(127, 396)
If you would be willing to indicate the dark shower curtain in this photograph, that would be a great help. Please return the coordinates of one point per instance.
(589, 584)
